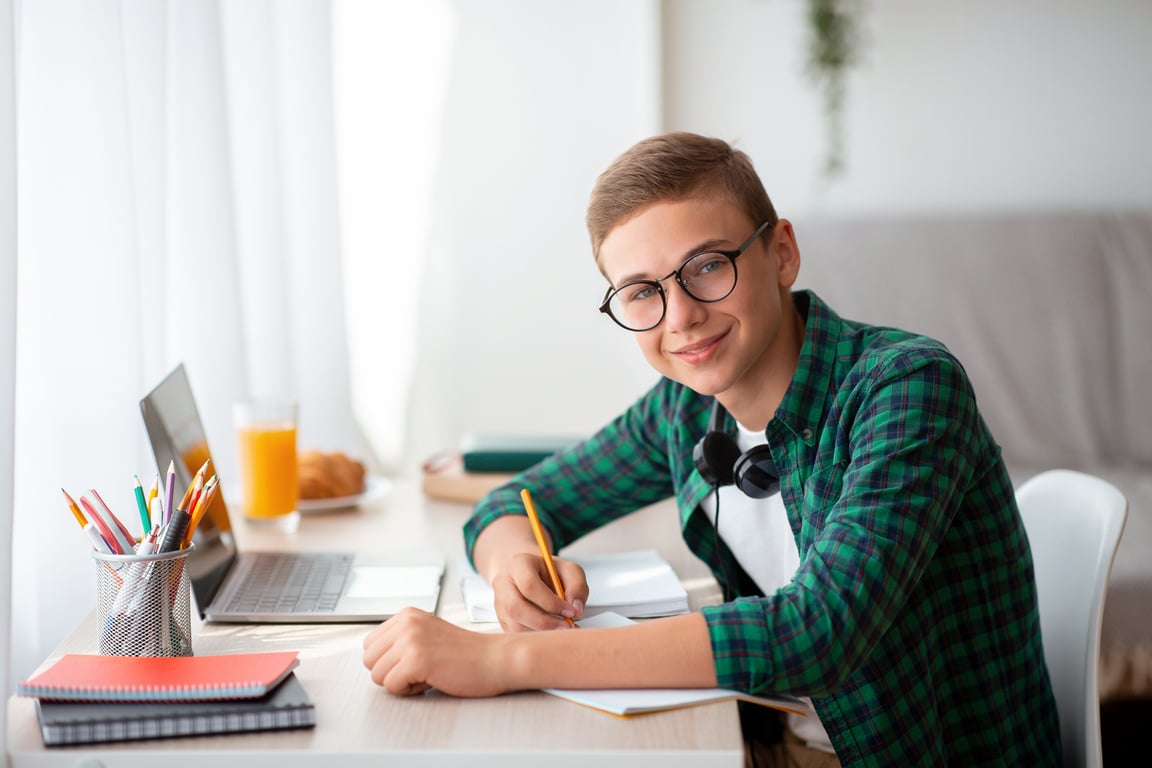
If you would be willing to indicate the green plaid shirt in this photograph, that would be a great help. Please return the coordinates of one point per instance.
(912, 619)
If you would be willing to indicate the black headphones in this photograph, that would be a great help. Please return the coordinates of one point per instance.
(720, 462)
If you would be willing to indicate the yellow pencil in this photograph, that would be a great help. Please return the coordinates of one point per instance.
(72, 505)
(538, 531)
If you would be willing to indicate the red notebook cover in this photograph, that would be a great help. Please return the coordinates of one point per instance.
(86, 677)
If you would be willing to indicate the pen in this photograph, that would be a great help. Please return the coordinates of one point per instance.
(148, 543)
(98, 542)
(174, 533)
(119, 531)
(169, 490)
(112, 542)
(538, 531)
(157, 507)
(141, 505)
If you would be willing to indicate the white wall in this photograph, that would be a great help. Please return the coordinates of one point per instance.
(7, 334)
(542, 96)
(955, 106)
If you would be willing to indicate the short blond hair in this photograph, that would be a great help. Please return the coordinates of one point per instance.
(672, 167)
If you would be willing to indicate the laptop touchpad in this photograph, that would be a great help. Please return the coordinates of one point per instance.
(393, 580)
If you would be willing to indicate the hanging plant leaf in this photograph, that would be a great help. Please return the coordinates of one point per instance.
(833, 48)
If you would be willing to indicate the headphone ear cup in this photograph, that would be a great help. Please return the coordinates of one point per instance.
(715, 456)
(755, 473)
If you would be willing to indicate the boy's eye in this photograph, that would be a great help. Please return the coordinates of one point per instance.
(639, 292)
(706, 264)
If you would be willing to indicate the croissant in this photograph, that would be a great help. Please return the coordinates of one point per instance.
(328, 475)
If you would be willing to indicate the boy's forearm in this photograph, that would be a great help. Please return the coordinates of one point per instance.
(673, 652)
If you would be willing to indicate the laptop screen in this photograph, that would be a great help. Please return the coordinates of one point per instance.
(177, 437)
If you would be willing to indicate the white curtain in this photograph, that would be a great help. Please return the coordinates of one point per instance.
(218, 182)
(177, 202)
(7, 331)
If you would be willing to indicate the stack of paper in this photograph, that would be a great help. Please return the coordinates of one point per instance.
(638, 584)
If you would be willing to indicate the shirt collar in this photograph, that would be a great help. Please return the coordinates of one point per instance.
(802, 409)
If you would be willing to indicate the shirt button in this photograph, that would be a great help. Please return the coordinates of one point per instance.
(806, 434)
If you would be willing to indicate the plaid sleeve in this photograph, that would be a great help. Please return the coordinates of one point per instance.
(890, 465)
(623, 467)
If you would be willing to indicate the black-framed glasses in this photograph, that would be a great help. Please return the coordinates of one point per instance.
(707, 276)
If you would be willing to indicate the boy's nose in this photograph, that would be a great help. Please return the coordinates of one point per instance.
(682, 311)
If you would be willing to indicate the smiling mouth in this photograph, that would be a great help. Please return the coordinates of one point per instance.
(700, 348)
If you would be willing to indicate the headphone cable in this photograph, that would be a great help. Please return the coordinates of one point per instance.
(728, 587)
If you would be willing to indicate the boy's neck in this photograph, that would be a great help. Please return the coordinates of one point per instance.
(755, 401)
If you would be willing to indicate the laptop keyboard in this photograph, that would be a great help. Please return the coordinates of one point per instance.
(288, 583)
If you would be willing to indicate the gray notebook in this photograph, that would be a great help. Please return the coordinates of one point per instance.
(70, 722)
(276, 587)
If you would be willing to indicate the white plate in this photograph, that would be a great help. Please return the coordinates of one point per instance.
(374, 488)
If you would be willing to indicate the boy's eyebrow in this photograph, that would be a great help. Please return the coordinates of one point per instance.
(711, 244)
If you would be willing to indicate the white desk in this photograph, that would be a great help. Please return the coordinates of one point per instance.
(358, 724)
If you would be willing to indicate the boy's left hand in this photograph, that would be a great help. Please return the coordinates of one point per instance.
(414, 651)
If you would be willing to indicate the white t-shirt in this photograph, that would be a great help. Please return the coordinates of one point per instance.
(758, 533)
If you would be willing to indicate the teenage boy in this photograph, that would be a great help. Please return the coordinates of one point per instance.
(870, 548)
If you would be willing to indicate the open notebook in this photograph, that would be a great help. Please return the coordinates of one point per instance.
(625, 702)
(638, 584)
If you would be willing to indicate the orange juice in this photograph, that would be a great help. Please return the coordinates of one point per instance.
(267, 459)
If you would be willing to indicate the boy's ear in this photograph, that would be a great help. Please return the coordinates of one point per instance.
(787, 252)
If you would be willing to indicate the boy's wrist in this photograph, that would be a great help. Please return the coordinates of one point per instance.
(516, 653)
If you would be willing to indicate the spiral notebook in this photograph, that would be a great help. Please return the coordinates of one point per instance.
(91, 678)
(70, 722)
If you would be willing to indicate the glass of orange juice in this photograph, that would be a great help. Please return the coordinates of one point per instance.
(266, 458)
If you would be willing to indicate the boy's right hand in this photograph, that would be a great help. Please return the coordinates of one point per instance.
(524, 598)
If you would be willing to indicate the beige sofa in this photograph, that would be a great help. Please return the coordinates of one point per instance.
(1051, 314)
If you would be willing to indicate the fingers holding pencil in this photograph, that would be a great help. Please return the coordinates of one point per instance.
(569, 611)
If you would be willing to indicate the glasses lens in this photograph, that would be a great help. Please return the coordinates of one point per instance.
(638, 306)
(709, 276)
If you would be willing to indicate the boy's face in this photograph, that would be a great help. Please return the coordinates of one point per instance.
(730, 347)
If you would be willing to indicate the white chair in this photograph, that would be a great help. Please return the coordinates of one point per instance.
(1074, 521)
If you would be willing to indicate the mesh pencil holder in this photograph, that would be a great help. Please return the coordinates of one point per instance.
(144, 604)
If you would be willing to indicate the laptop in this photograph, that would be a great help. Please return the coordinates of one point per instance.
(264, 587)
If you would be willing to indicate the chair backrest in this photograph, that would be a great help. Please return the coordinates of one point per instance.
(1074, 522)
